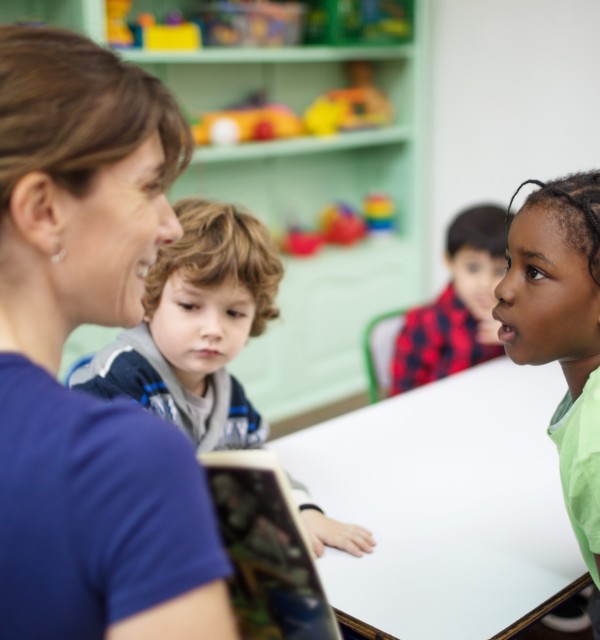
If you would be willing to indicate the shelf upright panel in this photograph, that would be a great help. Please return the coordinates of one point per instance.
(93, 19)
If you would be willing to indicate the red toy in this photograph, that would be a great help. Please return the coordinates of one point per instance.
(264, 130)
(340, 224)
(302, 243)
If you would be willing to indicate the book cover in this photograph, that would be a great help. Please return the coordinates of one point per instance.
(276, 591)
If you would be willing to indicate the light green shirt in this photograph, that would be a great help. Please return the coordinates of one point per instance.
(575, 428)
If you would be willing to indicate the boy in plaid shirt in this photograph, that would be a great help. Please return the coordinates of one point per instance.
(457, 330)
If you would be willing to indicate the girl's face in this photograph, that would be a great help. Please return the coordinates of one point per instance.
(548, 304)
(113, 236)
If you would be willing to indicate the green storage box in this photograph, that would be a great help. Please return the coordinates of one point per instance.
(359, 22)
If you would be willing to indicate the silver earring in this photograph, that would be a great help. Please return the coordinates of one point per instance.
(59, 256)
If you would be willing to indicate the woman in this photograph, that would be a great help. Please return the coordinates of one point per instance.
(106, 528)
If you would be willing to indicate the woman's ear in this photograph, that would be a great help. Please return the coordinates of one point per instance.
(34, 212)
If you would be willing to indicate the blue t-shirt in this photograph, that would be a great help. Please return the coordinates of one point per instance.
(104, 511)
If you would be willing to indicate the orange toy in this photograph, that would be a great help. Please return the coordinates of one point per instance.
(281, 121)
(375, 102)
(118, 33)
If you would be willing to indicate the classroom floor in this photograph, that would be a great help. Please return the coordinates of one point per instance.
(536, 631)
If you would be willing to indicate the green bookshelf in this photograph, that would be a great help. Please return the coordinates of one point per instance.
(311, 356)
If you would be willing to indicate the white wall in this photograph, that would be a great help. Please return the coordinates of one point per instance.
(515, 94)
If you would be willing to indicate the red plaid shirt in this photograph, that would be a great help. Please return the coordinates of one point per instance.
(436, 341)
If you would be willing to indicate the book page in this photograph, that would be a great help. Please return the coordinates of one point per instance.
(276, 591)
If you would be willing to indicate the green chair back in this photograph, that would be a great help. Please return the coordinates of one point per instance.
(378, 350)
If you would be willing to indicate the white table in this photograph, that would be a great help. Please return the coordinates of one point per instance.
(460, 485)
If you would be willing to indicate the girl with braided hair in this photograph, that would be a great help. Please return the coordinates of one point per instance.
(549, 310)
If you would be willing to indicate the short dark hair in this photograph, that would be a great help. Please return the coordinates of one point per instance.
(483, 227)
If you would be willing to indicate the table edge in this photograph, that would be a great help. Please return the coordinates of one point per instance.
(372, 633)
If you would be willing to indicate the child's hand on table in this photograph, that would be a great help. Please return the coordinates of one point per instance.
(323, 531)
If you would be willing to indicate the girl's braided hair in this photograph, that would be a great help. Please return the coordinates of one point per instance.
(574, 203)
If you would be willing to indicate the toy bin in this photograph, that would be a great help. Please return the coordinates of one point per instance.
(252, 24)
(359, 22)
(162, 37)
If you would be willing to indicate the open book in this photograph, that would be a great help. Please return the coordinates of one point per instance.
(276, 591)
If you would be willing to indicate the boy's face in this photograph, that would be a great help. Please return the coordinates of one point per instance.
(199, 330)
(549, 306)
(475, 274)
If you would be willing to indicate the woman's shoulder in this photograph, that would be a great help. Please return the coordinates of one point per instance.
(127, 433)
(81, 422)
(100, 458)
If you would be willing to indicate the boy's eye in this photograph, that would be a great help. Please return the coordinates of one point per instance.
(236, 314)
(473, 267)
(533, 273)
(187, 306)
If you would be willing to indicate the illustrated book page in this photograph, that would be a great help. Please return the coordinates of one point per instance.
(276, 591)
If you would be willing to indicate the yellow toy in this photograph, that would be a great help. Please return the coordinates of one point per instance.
(325, 116)
(118, 33)
(167, 36)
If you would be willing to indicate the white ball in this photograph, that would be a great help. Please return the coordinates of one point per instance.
(224, 131)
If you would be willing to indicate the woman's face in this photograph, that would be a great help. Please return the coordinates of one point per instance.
(112, 237)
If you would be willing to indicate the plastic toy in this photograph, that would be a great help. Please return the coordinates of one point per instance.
(379, 213)
(325, 116)
(361, 106)
(224, 131)
(146, 19)
(359, 22)
(252, 24)
(340, 224)
(174, 18)
(264, 130)
(118, 34)
(173, 33)
(254, 123)
(357, 113)
(301, 243)
(377, 107)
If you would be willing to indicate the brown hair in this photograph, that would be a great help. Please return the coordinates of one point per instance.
(69, 106)
(220, 241)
